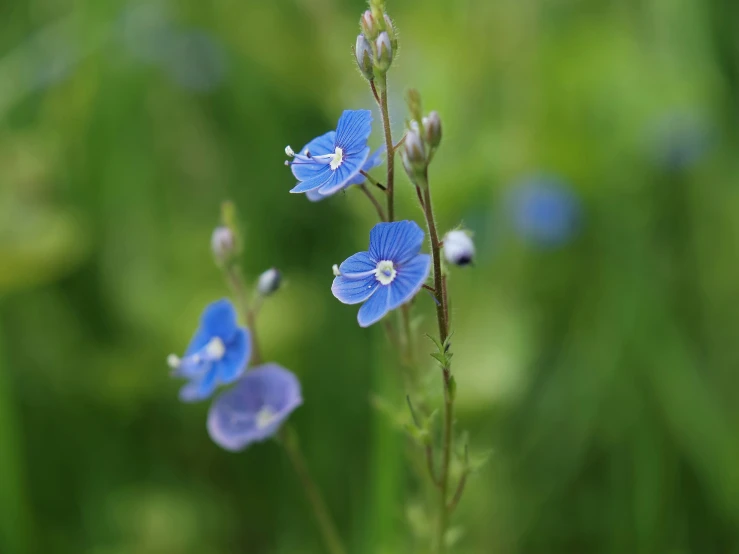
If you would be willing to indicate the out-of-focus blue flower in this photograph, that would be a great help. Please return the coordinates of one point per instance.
(254, 408)
(217, 354)
(372, 162)
(328, 163)
(389, 275)
(545, 211)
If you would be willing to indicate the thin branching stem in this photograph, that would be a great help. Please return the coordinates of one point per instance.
(375, 203)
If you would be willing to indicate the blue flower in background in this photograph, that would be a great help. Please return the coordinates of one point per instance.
(372, 162)
(217, 354)
(545, 211)
(389, 275)
(254, 408)
(328, 163)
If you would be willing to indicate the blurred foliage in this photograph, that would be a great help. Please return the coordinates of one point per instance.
(602, 372)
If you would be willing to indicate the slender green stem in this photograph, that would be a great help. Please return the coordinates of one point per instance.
(441, 317)
(375, 203)
(390, 151)
(287, 436)
(320, 511)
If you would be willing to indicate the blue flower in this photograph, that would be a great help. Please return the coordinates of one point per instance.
(545, 211)
(328, 163)
(389, 275)
(254, 408)
(217, 354)
(372, 162)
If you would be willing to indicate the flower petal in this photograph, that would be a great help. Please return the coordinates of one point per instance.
(314, 195)
(354, 291)
(319, 179)
(353, 130)
(219, 320)
(201, 389)
(375, 308)
(410, 278)
(237, 417)
(235, 359)
(397, 241)
(358, 263)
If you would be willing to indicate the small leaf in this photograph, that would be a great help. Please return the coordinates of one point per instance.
(436, 342)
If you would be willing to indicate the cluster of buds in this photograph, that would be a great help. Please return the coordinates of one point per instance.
(421, 139)
(376, 45)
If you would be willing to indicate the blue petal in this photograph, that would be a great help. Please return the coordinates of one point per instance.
(398, 241)
(347, 171)
(375, 308)
(319, 179)
(408, 281)
(353, 130)
(195, 391)
(354, 291)
(317, 147)
(198, 342)
(314, 195)
(358, 263)
(219, 320)
(372, 162)
(235, 359)
(233, 417)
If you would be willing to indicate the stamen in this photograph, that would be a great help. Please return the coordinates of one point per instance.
(173, 361)
(336, 271)
(289, 151)
(337, 159)
(385, 272)
(215, 349)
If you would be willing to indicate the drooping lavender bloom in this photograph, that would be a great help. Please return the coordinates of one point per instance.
(372, 162)
(545, 211)
(328, 163)
(254, 408)
(217, 355)
(386, 276)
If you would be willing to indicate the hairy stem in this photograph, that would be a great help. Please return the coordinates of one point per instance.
(390, 151)
(441, 317)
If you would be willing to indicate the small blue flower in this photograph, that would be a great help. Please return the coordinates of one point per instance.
(217, 354)
(389, 275)
(328, 163)
(545, 210)
(372, 162)
(254, 408)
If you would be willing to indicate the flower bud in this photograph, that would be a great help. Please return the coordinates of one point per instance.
(458, 248)
(414, 148)
(369, 26)
(432, 129)
(363, 53)
(384, 52)
(269, 282)
(223, 244)
(390, 28)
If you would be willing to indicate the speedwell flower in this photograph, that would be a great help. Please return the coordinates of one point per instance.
(327, 163)
(372, 162)
(217, 354)
(254, 408)
(389, 275)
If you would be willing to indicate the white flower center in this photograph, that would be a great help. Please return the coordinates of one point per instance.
(265, 416)
(385, 272)
(215, 349)
(337, 159)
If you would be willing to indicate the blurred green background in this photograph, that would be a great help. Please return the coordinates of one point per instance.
(601, 370)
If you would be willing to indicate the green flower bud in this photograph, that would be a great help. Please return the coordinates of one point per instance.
(369, 25)
(414, 157)
(432, 129)
(390, 28)
(384, 52)
(363, 54)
